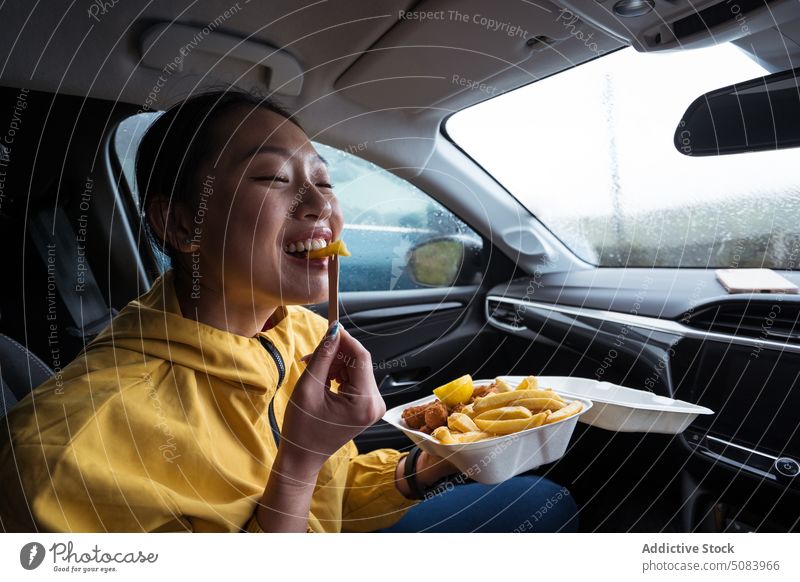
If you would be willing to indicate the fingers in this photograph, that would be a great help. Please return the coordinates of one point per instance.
(320, 362)
(341, 357)
(355, 365)
(358, 387)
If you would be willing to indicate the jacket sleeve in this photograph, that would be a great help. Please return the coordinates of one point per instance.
(372, 500)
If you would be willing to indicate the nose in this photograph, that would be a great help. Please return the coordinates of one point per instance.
(316, 204)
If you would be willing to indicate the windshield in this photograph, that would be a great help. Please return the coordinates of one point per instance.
(590, 153)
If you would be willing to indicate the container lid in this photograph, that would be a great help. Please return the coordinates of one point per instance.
(607, 393)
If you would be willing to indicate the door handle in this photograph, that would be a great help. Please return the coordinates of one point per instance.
(390, 384)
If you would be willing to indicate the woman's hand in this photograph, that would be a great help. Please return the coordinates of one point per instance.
(430, 470)
(317, 423)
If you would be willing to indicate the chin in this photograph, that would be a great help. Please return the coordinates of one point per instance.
(303, 297)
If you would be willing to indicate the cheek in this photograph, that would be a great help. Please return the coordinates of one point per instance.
(249, 228)
(261, 215)
(337, 218)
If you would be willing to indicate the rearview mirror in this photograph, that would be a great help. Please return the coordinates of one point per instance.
(445, 261)
(760, 114)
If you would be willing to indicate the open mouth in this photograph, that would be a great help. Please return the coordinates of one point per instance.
(300, 249)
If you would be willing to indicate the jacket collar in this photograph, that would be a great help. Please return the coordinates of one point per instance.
(153, 326)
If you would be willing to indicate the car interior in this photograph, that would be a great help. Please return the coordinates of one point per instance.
(375, 85)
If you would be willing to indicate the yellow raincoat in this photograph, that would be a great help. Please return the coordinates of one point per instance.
(167, 424)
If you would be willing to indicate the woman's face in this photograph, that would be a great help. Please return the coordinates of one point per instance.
(268, 188)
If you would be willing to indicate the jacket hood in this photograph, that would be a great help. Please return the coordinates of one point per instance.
(154, 327)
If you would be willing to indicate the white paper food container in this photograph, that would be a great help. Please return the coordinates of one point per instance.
(622, 409)
(497, 459)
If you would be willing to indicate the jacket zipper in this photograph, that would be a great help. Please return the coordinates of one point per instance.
(276, 356)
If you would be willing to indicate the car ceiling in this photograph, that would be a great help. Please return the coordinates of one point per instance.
(361, 61)
(355, 83)
(368, 74)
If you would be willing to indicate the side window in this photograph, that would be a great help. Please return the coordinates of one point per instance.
(126, 140)
(386, 218)
(399, 237)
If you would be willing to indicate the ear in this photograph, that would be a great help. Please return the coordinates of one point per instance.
(172, 224)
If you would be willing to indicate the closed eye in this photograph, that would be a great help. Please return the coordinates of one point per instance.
(325, 185)
(282, 179)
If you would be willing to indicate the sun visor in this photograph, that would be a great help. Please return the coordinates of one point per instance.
(205, 52)
(445, 47)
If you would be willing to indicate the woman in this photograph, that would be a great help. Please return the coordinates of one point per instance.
(193, 410)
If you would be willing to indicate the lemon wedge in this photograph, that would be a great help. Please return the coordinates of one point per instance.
(459, 391)
(337, 247)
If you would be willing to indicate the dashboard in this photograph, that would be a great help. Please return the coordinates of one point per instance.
(676, 332)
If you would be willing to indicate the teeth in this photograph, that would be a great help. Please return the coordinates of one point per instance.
(307, 245)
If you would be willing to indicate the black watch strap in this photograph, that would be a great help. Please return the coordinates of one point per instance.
(410, 473)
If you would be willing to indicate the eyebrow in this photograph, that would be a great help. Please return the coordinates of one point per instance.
(271, 149)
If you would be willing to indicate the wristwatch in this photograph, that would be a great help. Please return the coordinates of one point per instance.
(410, 473)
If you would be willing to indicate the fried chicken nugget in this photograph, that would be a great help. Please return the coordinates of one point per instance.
(436, 415)
(414, 416)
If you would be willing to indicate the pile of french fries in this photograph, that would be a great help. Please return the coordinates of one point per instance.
(505, 412)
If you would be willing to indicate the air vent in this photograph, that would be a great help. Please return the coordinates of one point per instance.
(504, 314)
(777, 321)
(713, 16)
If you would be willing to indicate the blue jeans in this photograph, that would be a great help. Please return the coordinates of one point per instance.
(526, 503)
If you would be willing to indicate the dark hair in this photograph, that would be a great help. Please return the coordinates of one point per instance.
(178, 142)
